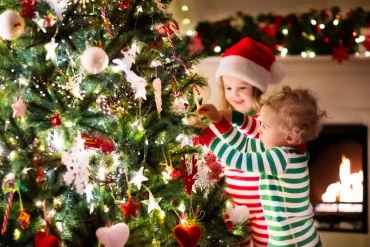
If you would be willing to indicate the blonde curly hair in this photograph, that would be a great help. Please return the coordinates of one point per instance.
(299, 111)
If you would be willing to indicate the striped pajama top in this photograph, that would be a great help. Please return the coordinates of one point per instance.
(284, 183)
(242, 186)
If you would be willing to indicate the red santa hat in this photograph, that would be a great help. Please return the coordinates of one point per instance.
(251, 62)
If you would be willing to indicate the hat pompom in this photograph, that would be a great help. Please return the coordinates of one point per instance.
(277, 72)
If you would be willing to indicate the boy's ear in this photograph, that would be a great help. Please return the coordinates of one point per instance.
(293, 138)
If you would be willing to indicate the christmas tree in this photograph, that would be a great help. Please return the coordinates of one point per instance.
(96, 146)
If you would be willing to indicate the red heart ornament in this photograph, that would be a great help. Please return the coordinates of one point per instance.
(42, 240)
(188, 236)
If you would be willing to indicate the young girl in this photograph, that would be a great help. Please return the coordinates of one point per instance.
(244, 72)
(289, 118)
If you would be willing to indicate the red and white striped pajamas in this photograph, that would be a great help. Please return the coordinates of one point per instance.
(242, 187)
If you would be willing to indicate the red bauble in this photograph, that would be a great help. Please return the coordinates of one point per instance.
(125, 4)
(43, 240)
(55, 120)
(216, 170)
(40, 177)
(188, 236)
(130, 208)
(175, 174)
(210, 157)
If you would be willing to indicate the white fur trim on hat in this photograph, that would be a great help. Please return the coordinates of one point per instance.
(277, 72)
(245, 70)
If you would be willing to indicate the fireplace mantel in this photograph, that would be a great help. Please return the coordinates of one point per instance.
(343, 91)
(342, 87)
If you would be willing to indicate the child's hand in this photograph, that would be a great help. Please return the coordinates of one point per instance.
(197, 122)
(227, 114)
(210, 112)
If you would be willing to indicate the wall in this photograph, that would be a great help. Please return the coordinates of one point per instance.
(343, 90)
(212, 10)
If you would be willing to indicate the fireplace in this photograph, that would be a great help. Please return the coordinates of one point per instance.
(338, 178)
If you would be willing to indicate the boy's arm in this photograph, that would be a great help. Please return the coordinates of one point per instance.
(270, 162)
(246, 124)
(236, 139)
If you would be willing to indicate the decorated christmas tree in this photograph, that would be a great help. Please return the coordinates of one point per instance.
(96, 145)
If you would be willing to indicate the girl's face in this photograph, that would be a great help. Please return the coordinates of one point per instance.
(238, 93)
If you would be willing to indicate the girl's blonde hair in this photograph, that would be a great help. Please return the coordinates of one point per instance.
(224, 105)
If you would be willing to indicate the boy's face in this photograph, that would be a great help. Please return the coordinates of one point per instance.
(238, 93)
(270, 132)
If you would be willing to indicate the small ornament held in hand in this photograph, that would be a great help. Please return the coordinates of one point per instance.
(55, 120)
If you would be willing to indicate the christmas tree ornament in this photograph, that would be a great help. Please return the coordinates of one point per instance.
(43, 240)
(50, 50)
(124, 4)
(188, 178)
(40, 177)
(180, 105)
(24, 219)
(55, 120)
(238, 214)
(95, 143)
(215, 170)
(83, 2)
(94, 60)
(157, 86)
(175, 174)
(49, 20)
(106, 21)
(340, 53)
(19, 108)
(130, 208)
(28, 8)
(161, 6)
(114, 236)
(124, 64)
(59, 6)
(138, 178)
(8, 184)
(188, 235)
(152, 202)
(77, 163)
(11, 25)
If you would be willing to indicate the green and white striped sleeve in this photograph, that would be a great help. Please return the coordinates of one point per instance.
(237, 139)
(270, 162)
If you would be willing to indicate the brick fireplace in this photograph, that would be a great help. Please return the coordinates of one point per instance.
(344, 92)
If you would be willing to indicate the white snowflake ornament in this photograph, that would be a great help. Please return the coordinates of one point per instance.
(77, 163)
(59, 7)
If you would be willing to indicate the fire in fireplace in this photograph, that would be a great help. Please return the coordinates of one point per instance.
(338, 177)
